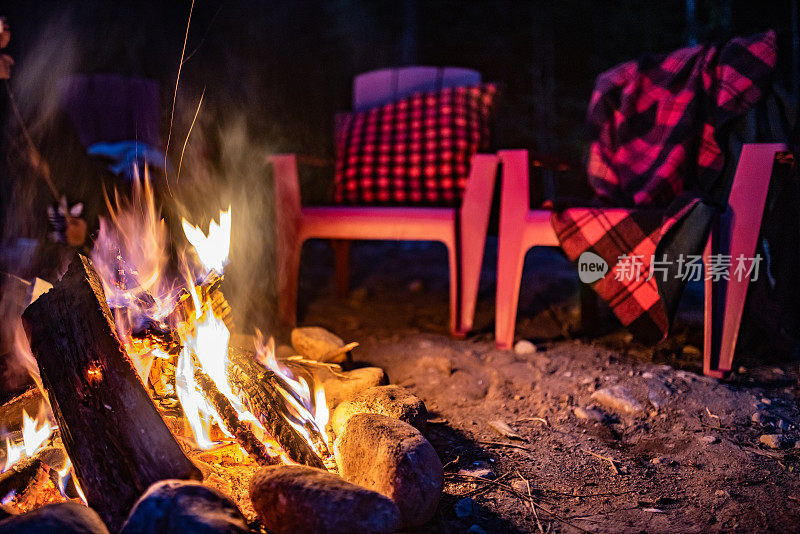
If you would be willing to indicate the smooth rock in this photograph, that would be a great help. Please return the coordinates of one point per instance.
(463, 507)
(61, 518)
(6, 511)
(776, 441)
(295, 499)
(523, 346)
(392, 458)
(617, 398)
(184, 506)
(709, 440)
(589, 414)
(338, 389)
(392, 401)
(319, 344)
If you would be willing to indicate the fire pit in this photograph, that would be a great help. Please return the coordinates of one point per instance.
(143, 394)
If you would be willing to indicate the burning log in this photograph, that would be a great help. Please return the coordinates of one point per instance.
(246, 438)
(28, 473)
(259, 387)
(118, 443)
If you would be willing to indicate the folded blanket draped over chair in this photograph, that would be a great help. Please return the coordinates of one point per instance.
(656, 128)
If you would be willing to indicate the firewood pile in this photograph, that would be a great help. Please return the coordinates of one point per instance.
(127, 441)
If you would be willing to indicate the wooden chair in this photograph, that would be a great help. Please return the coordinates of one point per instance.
(736, 232)
(462, 230)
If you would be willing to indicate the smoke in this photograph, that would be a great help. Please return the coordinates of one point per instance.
(225, 165)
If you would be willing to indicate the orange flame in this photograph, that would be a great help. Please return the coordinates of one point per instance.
(212, 249)
(35, 433)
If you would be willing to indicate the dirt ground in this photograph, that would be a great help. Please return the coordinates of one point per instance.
(687, 459)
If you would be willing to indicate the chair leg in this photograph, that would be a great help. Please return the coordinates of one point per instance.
(341, 256)
(510, 260)
(452, 259)
(711, 313)
(473, 242)
(736, 236)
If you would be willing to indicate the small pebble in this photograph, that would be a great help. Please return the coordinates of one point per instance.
(589, 414)
(523, 346)
(709, 440)
(762, 418)
(775, 441)
(478, 469)
(722, 494)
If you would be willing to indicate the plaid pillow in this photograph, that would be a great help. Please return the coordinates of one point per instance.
(415, 151)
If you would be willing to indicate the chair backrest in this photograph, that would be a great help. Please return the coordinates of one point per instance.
(378, 87)
(110, 107)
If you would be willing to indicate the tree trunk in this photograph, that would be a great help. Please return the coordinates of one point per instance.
(118, 442)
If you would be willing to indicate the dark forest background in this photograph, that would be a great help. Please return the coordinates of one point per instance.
(290, 63)
(275, 72)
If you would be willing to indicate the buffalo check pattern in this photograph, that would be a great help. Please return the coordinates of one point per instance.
(653, 125)
(414, 151)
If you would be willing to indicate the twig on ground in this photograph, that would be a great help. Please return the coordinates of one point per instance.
(518, 494)
(484, 489)
(528, 419)
(530, 501)
(611, 461)
(500, 444)
(451, 462)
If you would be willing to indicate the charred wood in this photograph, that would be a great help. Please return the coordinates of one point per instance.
(118, 442)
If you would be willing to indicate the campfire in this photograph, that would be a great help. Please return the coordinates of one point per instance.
(140, 381)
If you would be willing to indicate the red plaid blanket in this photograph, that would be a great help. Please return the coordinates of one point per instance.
(653, 125)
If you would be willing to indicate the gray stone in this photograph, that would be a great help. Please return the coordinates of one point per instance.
(340, 388)
(392, 457)
(392, 401)
(62, 518)
(709, 440)
(776, 441)
(295, 499)
(617, 398)
(184, 506)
